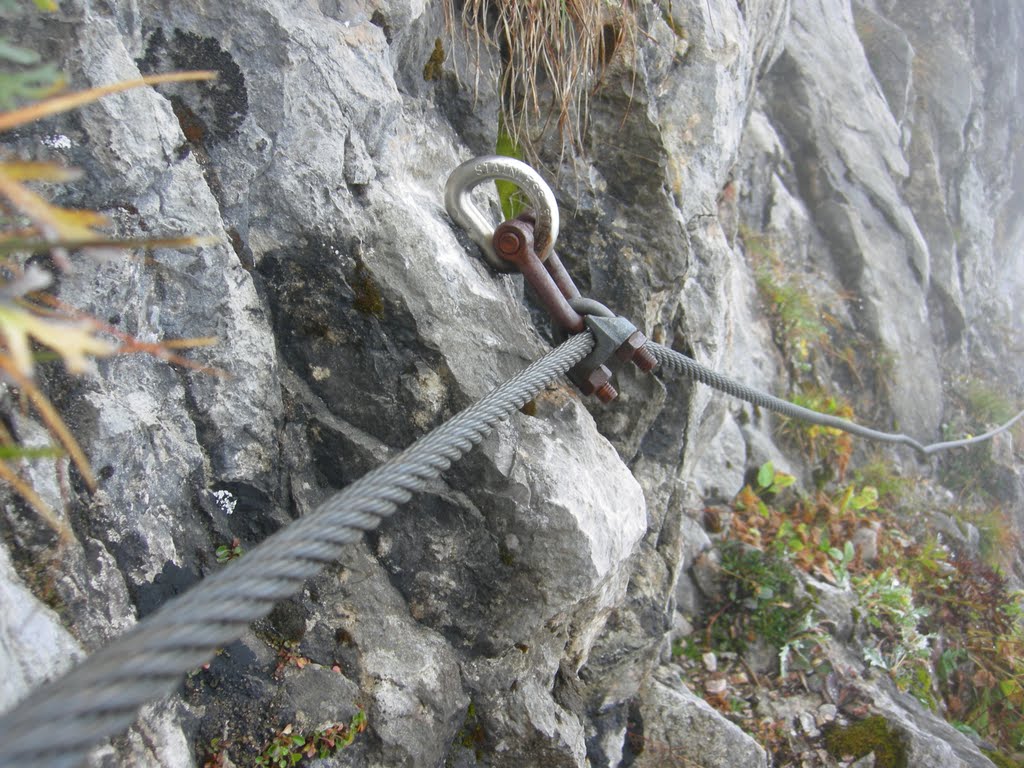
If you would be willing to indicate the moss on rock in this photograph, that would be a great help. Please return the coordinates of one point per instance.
(873, 734)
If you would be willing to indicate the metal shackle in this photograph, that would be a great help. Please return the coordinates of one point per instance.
(470, 174)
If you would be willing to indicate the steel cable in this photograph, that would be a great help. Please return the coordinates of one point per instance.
(690, 368)
(57, 724)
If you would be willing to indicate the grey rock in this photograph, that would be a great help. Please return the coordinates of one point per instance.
(521, 604)
(719, 470)
(34, 646)
(929, 739)
(94, 594)
(695, 542)
(695, 539)
(835, 605)
(689, 599)
(156, 740)
(808, 725)
(890, 54)
(707, 573)
(878, 248)
(962, 533)
(674, 725)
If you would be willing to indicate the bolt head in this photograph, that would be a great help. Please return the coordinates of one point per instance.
(631, 346)
(509, 242)
(633, 349)
(512, 239)
(598, 383)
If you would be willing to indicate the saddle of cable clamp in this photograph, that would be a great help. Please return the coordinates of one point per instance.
(526, 244)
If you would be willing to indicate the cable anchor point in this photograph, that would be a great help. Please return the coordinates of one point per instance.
(526, 244)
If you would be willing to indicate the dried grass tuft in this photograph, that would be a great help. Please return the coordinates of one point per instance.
(554, 55)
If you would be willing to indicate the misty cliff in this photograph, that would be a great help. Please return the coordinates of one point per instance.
(859, 165)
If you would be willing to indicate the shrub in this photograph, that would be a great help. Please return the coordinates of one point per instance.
(35, 326)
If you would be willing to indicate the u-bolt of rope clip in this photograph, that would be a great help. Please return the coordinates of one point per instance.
(527, 243)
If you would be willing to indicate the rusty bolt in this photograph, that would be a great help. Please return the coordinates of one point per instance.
(512, 239)
(598, 383)
(509, 243)
(606, 393)
(645, 360)
(633, 349)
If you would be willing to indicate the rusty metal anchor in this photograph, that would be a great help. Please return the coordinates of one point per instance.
(526, 244)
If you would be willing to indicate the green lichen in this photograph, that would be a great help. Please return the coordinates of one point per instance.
(472, 735)
(435, 64)
(368, 298)
(677, 29)
(506, 555)
(1002, 761)
(872, 735)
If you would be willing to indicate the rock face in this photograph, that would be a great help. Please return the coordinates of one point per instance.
(517, 613)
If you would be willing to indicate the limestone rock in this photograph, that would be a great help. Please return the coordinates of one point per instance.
(516, 612)
(34, 645)
(674, 725)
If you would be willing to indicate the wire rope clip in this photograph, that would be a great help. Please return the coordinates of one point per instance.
(464, 179)
(616, 342)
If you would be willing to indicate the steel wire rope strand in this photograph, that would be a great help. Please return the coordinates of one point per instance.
(58, 723)
(690, 368)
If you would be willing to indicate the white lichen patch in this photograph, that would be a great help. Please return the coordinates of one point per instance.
(427, 386)
(225, 500)
(320, 373)
(57, 141)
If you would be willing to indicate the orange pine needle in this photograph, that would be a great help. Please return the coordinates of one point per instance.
(57, 104)
(129, 344)
(52, 419)
(28, 493)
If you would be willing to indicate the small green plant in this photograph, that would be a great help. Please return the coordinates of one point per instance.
(878, 473)
(1003, 761)
(981, 671)
(913, 596)
(842, 559)
(971, 472)
(806, 636)
(897, 645)
(998, 539)
(24, 77)
(813, 533)
(759, 601)
(228, 552)
(686, 647)
(828, 447)
(769, 480)
(217, 754)
(288, 656)
(986, 404)
(284, 750)
(795, 316)
(288, 748)
(769, 483)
